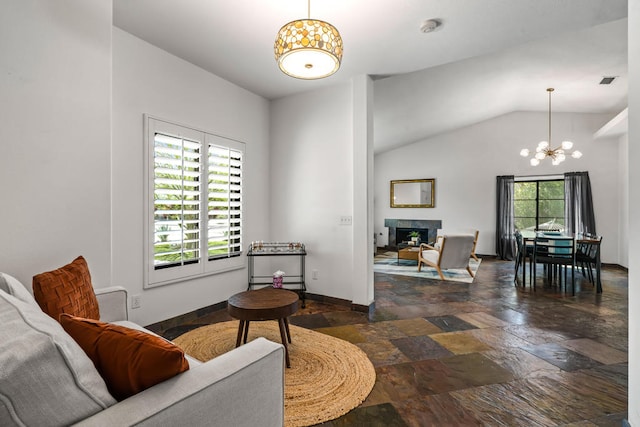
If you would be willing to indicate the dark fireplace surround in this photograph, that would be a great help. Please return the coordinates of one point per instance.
(400, 228)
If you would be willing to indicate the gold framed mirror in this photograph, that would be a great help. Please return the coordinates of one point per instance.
(413, 193)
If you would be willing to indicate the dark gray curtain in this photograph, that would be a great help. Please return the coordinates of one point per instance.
(505, 240)
(578, 203)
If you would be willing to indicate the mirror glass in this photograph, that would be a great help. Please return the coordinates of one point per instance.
(413, 193)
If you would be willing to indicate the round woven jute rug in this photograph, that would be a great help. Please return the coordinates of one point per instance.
(328, 376)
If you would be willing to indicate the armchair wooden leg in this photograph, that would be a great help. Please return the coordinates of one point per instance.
(419, 266)
(475, 257)
(440, 273)
(470, 272)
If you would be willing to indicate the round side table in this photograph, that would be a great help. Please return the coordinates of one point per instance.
(264, 304)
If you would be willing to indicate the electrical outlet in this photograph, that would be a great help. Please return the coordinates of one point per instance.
(346, 220)
(135, 301)
(314, 274)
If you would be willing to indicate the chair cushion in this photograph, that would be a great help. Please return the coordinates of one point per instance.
(12, 286)
(431, 256)
(67, 290)
(45, 377)
(128, 360)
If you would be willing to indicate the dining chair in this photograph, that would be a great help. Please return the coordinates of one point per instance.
(524, 251)
(557, 253)
(588, 255)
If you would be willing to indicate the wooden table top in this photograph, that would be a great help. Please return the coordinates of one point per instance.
(263, 304)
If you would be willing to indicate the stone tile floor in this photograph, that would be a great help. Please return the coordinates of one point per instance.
(487, 353)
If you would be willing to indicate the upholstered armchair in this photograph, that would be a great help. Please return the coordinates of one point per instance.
(454, 252)
(473, 232)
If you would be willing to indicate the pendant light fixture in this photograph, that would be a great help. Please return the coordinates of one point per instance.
(544, 150)
(308, 48)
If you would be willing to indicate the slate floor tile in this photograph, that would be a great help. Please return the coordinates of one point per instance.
(460, 342)
(476, 369)
(383, 352)
(435, 410)
(562, 357)
(450, 323)
(596, 351)
(384, 415)
(420, 348)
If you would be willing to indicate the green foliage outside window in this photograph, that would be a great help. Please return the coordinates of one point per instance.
(539, 204)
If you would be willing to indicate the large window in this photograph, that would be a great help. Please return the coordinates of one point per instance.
(194, 203)
(539, 204)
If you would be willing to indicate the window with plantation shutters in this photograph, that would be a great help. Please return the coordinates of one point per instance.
(194, 203)
(224, 211)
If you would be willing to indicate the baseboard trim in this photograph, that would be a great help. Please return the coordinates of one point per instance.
(193, 316)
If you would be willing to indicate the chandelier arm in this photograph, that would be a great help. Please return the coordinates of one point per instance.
(308, 9)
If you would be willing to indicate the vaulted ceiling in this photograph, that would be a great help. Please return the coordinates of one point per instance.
(487, 57)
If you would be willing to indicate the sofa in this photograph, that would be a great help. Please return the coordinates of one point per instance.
(46, 379)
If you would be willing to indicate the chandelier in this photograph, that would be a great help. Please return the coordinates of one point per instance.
(543, 150)
(308, 48)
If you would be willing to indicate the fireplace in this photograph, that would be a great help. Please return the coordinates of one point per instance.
(402, 234)
(400, 228)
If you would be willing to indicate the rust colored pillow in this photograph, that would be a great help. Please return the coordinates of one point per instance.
(67, 290)
(129, 361)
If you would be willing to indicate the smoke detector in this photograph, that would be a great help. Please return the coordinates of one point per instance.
(429, 25)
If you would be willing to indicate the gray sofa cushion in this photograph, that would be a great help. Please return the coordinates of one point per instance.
(45, 377)
(12, 286)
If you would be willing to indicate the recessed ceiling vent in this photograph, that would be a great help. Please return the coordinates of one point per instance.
(607, 80)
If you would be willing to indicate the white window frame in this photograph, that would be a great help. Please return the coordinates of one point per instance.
(204, 265)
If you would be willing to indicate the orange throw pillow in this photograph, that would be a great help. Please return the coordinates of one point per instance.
(129, 361)
(67, 290)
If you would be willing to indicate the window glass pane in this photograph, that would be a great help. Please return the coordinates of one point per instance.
(551, 208)
(525, 223)
(524, 190)
(551, 190)
(539, 204)
(524, 208)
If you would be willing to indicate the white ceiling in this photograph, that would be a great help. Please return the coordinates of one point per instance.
(487, 58)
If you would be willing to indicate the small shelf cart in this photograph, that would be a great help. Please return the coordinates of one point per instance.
(270, 249)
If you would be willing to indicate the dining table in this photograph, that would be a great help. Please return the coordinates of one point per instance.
(528, 237)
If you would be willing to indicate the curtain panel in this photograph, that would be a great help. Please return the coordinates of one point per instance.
(505, 227)
(578, 204)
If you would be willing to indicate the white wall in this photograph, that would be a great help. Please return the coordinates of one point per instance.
(312, 183)
(465, 164)
(634, 212)
(149, 80)
(363, 250)
(623, 209)
(55, 134)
